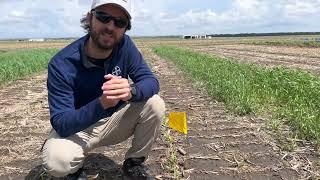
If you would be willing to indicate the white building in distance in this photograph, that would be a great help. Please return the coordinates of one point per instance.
(36, 40)
(196, 37)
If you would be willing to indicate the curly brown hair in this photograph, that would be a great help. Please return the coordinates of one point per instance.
(85, 24)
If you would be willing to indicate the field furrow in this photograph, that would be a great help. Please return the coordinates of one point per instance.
(258, 55)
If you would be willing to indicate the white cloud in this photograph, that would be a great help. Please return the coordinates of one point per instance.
(302, 9)
(242, 16)
(42, 18)
(45, 18)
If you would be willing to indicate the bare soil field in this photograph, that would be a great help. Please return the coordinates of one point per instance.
(6, 46)
(219, 145)
(302, 58)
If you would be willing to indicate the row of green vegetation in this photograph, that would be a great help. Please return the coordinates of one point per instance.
(17, 64)
(279, 93)
(311, 43)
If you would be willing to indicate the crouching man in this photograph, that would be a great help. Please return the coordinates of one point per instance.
(93, 104)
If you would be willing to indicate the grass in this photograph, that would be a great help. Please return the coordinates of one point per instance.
(2, 51)
(171, 164)
(278, 93)
(18, 64)
(287, 140)
(295, 43)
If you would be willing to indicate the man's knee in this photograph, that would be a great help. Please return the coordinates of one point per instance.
(157, 106)
(61, 157)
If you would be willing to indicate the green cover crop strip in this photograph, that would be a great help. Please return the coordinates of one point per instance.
(310, 44)
(282, 93)
(17, 64)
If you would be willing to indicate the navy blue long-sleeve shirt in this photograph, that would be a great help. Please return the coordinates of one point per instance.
(74, 84)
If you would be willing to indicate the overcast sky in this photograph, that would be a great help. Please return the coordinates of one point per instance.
(60, 18)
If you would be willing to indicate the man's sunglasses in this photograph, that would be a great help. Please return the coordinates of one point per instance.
(106, 18)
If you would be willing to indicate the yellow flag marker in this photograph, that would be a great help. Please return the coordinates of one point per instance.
(178, 121)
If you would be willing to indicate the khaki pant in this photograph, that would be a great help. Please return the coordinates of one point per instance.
(63, 156)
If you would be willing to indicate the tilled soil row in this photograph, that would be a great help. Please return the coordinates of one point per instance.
(24, 125)
(280, 50)
(260, 53)
(219, 145)
(267, 59)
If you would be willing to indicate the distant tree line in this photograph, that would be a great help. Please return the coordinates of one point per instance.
(238, 35)
(153, 37)
(264, 34)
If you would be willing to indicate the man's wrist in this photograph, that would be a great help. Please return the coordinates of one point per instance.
(103, 103)
(133, 91)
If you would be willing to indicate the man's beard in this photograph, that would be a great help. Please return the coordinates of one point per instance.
(97, 38)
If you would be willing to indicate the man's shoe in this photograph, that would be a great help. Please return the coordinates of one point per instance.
(79, 175)
(133, 169)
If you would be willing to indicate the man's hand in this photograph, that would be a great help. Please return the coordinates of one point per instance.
(114, 90)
